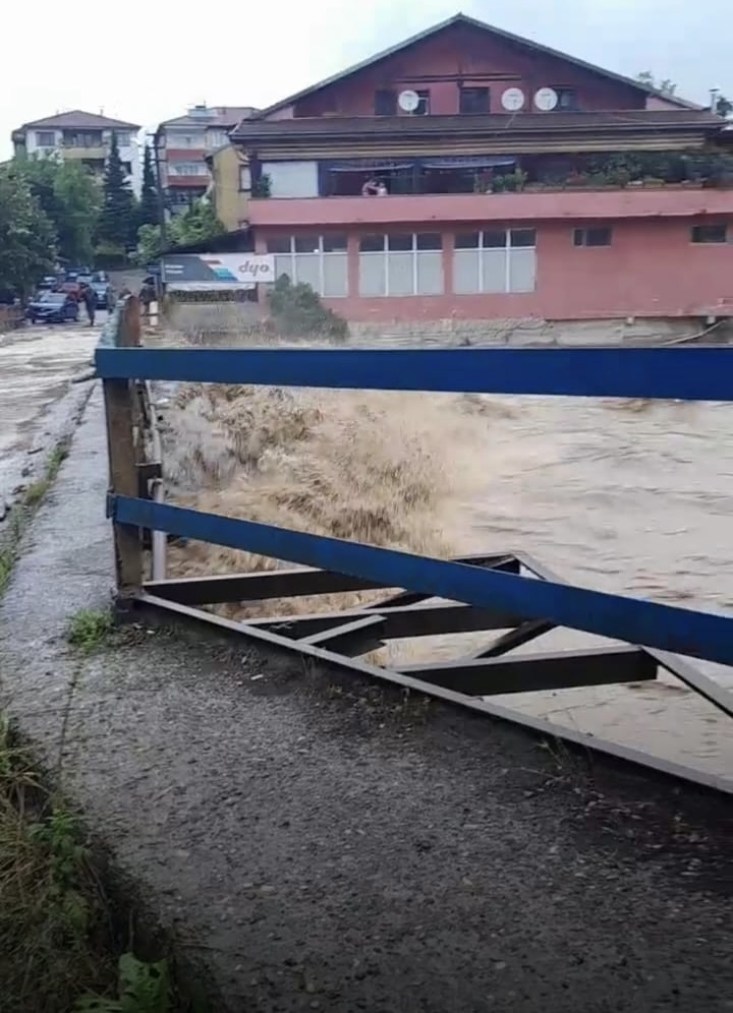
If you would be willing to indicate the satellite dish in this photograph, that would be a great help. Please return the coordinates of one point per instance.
(512, 100)
(546, 99)
(408, 101)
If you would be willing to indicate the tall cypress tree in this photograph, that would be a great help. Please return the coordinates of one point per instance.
(149, 207)
(117, 220)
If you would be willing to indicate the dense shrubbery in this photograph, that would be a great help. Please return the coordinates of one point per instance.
(297, 310)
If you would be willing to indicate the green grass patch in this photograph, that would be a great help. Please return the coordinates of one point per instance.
(58, 949)
(56, 458)
(90, 629)
(35, 492)
(54, 936)
(21, 514)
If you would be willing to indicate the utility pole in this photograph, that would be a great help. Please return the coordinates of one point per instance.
(161, 199)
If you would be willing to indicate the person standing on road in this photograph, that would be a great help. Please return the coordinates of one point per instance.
(90, 301)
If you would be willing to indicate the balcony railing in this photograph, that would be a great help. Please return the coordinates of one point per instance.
(604, 204)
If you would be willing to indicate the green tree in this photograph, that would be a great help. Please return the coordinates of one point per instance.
(195, 226)
(70, 196)
(665, 87)
(27, 238)
(149, 207)
(723, 106)
(117, 219)
(149, 244)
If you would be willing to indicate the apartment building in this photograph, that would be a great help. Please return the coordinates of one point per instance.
(85, 137)
(182, 145)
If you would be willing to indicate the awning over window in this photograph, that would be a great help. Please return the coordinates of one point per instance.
(469, 162)
(369, 165)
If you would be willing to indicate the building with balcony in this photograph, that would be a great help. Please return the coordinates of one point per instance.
(470, 174)
(85, 137)
(182, 146)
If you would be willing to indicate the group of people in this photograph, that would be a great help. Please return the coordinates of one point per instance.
(375, 188)
(88, 297)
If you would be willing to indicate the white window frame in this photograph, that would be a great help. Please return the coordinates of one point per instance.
(45, 133)
(293, 255)
(385, 252)
(507, 247)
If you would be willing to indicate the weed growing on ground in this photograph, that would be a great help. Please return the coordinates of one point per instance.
(53, 921)
(9, 550)
(56, 938)
(57, 457)
(143, 988)
(35, 493)
(89, 630)
(22, 512)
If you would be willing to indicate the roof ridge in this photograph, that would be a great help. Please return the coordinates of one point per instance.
(466, 19)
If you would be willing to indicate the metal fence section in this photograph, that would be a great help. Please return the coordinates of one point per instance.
(505, 592)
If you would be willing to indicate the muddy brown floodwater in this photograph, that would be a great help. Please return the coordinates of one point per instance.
(626, 497)
(622, 498)
(36, 364)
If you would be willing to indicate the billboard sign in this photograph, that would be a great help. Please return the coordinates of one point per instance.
(225, 270)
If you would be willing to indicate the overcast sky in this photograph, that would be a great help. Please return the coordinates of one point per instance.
(144, 62)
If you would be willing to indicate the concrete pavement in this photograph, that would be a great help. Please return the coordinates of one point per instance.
(319, 843)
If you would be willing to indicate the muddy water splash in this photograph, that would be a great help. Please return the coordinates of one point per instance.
(626, 497)
(400, 471)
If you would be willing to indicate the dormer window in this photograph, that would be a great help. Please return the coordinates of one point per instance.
(423, 108)
(474, 101)
(567, 100)
(385, 102)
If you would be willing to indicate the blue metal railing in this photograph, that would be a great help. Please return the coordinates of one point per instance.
(689, 373)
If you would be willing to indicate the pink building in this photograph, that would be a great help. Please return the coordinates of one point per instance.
(470, 174)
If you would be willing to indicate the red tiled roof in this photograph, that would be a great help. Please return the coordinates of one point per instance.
(80, 119)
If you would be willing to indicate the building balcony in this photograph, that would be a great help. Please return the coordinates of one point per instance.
(96, 152)
(603, 204)
(185, 182)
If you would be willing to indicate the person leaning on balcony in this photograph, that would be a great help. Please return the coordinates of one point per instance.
(370, 188)
(382, 190)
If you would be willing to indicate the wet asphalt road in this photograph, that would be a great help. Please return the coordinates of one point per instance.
(36, 367)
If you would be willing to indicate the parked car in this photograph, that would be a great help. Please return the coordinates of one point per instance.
(103, 292)
(48, 283)
(53, 308)
(71, 288)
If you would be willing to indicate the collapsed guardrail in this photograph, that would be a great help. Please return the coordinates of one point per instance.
(506, 591)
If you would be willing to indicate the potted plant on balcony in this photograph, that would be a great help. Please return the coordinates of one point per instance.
(262, 187)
